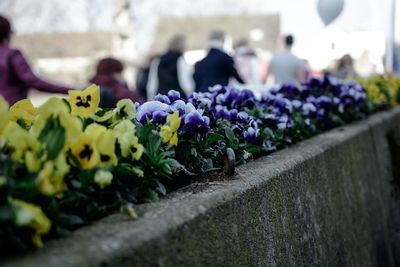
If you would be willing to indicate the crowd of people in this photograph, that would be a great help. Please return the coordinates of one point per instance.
(166, 71)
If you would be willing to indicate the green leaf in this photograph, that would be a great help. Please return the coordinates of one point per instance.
(232, 139)
(160, 188)
(143, 132)
(126, 169)
(53, 137)
(6, 212)
(268, 133)
(178, 167)
(212, 138)
(151, 195)
(70, 219)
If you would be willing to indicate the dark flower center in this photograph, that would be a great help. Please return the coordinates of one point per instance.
(104, 158)
(86, 152)
(83, 102)
(133, 149)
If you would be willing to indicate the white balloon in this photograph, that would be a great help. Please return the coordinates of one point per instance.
(329, 10)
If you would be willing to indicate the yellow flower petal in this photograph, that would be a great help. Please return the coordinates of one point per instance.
(174, 139)
(166, 133)
(103, 178)
(53, 106)
(20, 140)
(84, 103)
(30, 215)
(174, 121)
(106, 117)
(125, 109)
(124, 126)
(24, 110)
(130, 146)
(94, 130)
(4, 114)
(32, 162)
(72, 125)
(45, 184)
(137, 151)
(85, 152)
(105, 144)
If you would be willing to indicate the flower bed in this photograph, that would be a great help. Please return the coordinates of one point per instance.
(68, 163)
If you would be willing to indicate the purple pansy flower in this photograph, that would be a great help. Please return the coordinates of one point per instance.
(195, 123)
(146, 110)
(251, 135)
(162, 99)
(174, 95)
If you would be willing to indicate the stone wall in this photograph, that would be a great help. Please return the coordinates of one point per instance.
(323, 202)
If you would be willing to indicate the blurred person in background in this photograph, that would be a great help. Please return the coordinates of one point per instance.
(170, 71)
(112, 86)
(345, 68)
(307, 71)
(217, 67)
(142, 76)
(285, 66)
(16, 76)
(247, 63)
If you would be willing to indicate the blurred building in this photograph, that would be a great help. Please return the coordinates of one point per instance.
(65, 57)
(68, 37)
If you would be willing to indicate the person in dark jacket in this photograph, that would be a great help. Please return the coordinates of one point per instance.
(170, 71)
(16, 76)
(217, 67)
(142, 76)
(112, 87)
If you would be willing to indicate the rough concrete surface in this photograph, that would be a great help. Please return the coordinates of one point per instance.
(323, 202)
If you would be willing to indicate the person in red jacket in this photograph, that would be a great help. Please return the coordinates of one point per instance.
(109, 77)
(16, 76)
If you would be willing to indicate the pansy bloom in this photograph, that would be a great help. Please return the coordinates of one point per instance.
(84, 150)
(130, 146)
(168, 133)
(125, 109)
(24, 110)
(27, 214)
(84, 103)
(103, 178)
(195, 123)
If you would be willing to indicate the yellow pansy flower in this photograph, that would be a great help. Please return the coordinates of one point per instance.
(32, 162)
(104, 141)
(20, 140)
(53, 106)
(103, 178)
(85, 152)
(105, 144)
(57, 108)
(94, 130)
(61, 166)
(125, 109)
(84, 103)
(50, 178)
(168, 132)
(72, 125)
(24, 110)
(105, 118)
(30, 215)
(45, 184)
(174, 121)
(130, 146)
(124, 126)
(4, 114)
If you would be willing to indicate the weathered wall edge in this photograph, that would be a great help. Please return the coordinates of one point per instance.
(161, 235)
